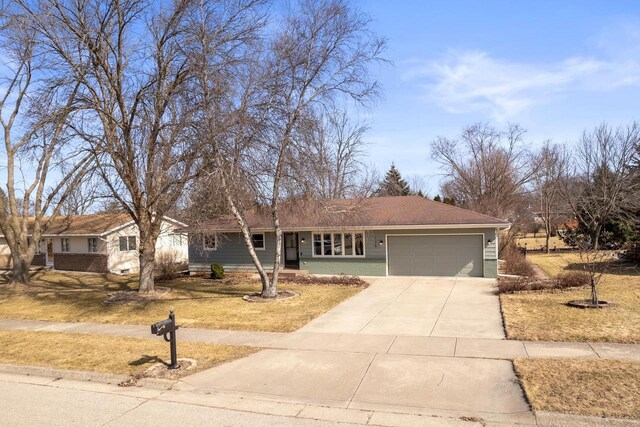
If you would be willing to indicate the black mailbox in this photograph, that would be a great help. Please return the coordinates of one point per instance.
(164, 328)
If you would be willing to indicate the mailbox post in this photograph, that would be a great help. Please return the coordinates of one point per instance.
(164, 328)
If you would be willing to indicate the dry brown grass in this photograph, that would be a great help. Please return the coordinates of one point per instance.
(544, 315)
(105, 354)
(539, 240)
(198, 302)
(605, 388)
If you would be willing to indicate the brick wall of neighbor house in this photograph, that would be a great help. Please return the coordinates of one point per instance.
(91, 262)
(38, 260)
(232, 253)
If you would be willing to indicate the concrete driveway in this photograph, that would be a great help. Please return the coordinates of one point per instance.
(353, 357)
(418, 306)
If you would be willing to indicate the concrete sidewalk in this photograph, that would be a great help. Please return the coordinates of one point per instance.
(372, 344)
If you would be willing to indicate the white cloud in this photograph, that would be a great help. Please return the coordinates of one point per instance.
(474, 81)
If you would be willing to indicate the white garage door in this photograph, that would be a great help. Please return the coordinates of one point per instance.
(434, 255)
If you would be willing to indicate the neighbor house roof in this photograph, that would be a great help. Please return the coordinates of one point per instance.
(372, 212)
(89, 225)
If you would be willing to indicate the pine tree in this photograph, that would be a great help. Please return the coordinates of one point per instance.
(393, 184)
(437, 198)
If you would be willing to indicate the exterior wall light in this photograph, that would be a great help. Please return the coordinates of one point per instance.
(381, 242)
(302, 240)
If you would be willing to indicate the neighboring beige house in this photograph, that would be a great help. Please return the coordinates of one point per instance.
(100, 243)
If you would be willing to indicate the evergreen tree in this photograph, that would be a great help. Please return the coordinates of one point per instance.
(437, 198)
(393, 184)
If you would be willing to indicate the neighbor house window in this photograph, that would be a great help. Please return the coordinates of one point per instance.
(175, 240)
(92, 243)
(64, 244)
(210, 243)
(338, 244)
(128, 243)
(258, 241)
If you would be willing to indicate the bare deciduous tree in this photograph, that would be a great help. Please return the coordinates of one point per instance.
(553, 164)
(134, 73)
(486, 170)
(602, 185)
(35, 110)
(319, 53)
(596, 264)
(327, 158)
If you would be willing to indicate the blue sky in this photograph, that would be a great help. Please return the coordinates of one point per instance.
(555, 67)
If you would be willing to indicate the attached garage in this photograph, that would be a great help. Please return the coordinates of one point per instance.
(435, 255)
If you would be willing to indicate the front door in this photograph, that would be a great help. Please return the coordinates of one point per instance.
(49, 251)
(291, 255)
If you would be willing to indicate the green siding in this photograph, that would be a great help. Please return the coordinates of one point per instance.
(349, 266)
(491, 268)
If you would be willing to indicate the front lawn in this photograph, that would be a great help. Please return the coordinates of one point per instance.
(544, 316)
(103, 354)
(198, 302)
(604, 388)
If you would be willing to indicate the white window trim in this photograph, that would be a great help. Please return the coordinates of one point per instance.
(215, 243)
(89, 246)
(264, 242)
(65, 248)
(127, 237)
(321, 233)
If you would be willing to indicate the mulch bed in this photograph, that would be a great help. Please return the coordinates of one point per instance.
(281, 296)
(586, 303)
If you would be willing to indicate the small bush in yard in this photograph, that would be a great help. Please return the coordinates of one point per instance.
(516, 262)
(217, 271)
(509, 285)
(168, 265)
(573, 279)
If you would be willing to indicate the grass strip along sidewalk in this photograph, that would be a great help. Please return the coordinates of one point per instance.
(603, 388)
(104, 354)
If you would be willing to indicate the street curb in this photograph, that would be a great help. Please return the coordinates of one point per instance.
(41, 371)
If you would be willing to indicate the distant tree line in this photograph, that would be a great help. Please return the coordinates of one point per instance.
(596, 182)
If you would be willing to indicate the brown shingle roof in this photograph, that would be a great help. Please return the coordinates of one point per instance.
(94, 224)
(88, 224)
(365, 213)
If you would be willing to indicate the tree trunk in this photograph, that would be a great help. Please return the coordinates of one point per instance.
(271, 291)
(547, 241)
(246, 235)
(147, 266)
(20, 270)
(147, 254)
(594, 291)
(595, 237)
